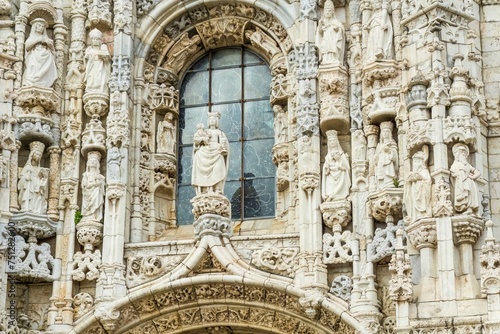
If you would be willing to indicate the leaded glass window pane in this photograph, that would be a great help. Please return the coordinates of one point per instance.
(236, 83)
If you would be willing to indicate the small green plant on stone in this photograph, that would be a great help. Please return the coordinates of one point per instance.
(395, 182)
(78, 216)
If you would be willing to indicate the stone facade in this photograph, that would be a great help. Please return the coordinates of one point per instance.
(386, 148)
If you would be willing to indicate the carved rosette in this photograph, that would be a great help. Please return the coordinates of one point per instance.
(211, 203)
(422, 233)
(82, 303)
(467, 229)
(336, 213)
(212, 224)
(334, 94)
(386, 204)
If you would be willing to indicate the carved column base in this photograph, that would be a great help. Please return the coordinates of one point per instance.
(211, 203)
(210, 224)
(336, 213)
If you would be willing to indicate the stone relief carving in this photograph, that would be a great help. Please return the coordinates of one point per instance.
(490, 262)
(279, 261)
(181, 51)
(400, 285)
(330, 37)
(82, 303)
(384, 242)
(93, 189)
(210, 157)
(337, 248)
(463, 177)
(336, 182)
(386, 157)
(41, 68)
(33, 182)
(97, 64)
(417, 191)
(341, 287)
(380, 32)
(33, 260)
(308, 9)
(120, 75)
(280, 125)
(262, 41)
(142, 269)
(166, 135)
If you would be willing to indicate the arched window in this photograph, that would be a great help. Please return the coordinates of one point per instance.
(234, 82)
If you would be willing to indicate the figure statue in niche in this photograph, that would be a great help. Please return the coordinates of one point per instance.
(386, 157)
(40, 61)
(115, 158)
(463, 178)
(330, 37)
(417, 192)
(33, 182)
(210, 157)
(380, 32)
(93, 188)
(97, 64)
(165, 135)
(280, 125)
(336, 181)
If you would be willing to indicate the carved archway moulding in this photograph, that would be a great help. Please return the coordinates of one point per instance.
(192, 303)
(176, 34)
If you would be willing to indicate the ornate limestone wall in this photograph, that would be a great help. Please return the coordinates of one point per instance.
(386, 140)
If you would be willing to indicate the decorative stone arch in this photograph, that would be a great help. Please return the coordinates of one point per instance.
(225, 300)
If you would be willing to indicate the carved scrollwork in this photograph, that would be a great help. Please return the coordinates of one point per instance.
(212, 224)
(33, 260)
(384, 242)
(142, 269)
(280, 261)
(337, 248)
(82, 303)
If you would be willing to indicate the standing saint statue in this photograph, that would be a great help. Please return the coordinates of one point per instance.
(380, 32)
(33, 182)
(386, 157)
(93, 188)
(210, 157)
(463, 179)
(40, 61)
(280, 125)
(97, 64)
(330, 37)
(165, 135)
(417, 192)
(336, 180)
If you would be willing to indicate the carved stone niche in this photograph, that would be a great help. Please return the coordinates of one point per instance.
(386, 204)
(165, 172)
(334, 97)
